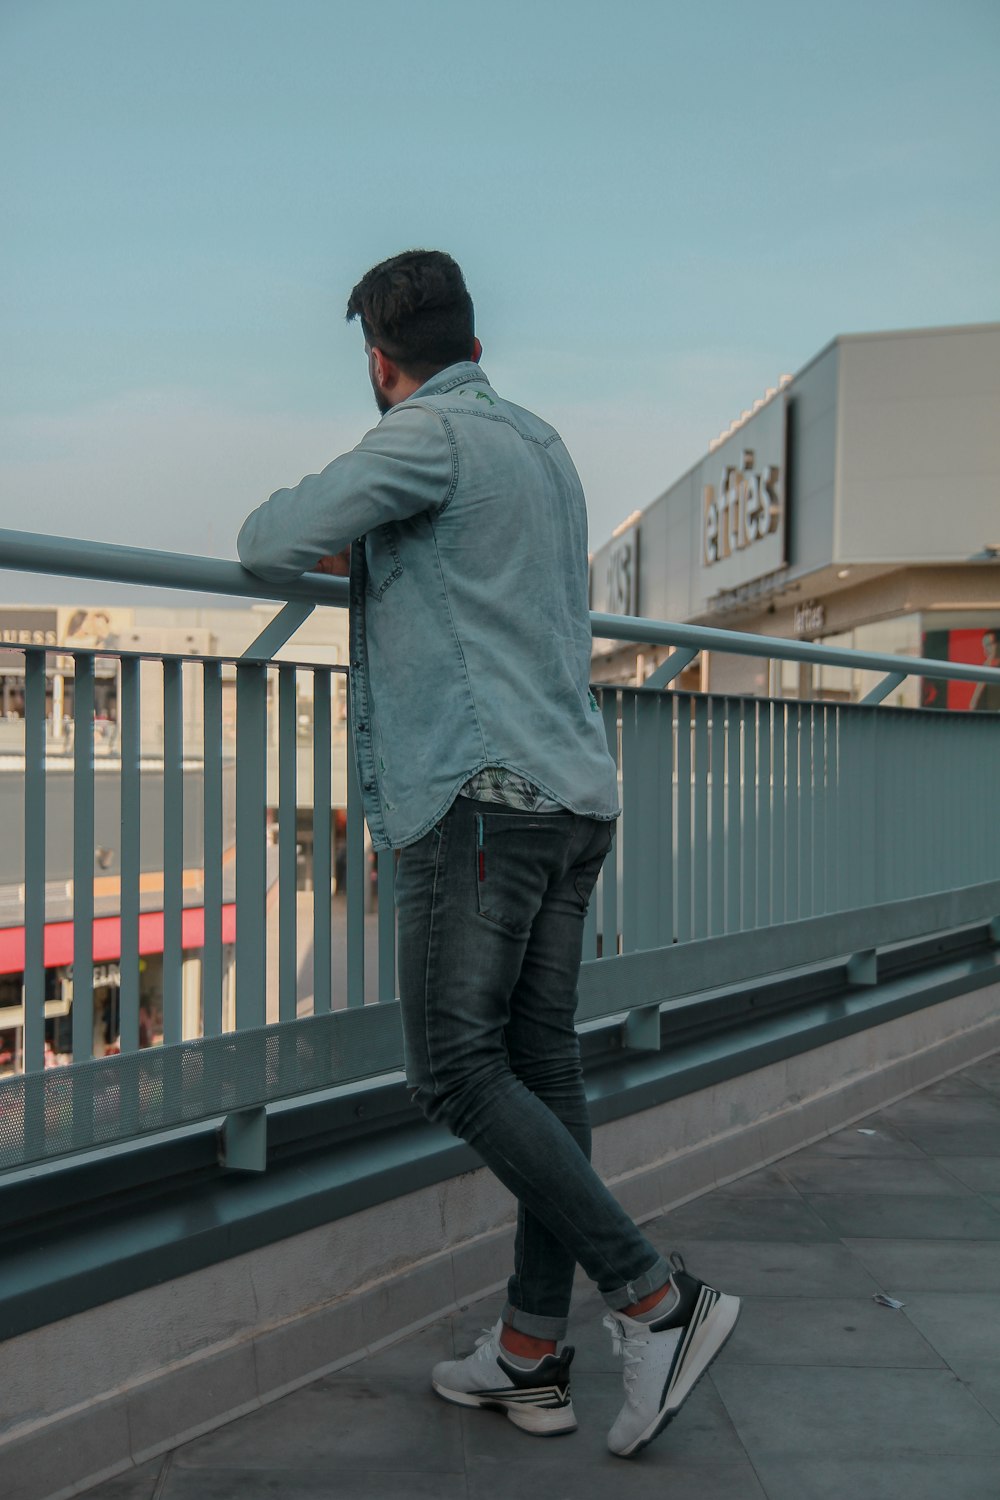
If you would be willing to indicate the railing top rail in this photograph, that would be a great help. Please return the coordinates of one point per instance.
(108, 561)
(72, 557)
(199, 658)
(708, 638)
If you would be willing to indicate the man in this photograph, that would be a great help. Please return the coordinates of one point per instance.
(482, 758)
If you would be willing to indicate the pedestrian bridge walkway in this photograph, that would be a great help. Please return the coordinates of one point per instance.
(822, 1392)
(227, 1260)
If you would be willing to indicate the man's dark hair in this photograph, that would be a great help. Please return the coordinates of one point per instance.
(416, 308)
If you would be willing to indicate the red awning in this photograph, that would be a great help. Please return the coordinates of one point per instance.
(108, 937)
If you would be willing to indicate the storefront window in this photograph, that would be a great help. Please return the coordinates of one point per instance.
(961, 636)
(898, 637)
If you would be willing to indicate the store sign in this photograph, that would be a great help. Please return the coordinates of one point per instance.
(742, 490)
(810, 619)
(25, 627)
(621, 581)
(745, 509)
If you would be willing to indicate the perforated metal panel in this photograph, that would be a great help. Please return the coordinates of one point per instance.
(112, 1099)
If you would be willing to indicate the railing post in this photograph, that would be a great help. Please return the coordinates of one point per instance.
(251, 870)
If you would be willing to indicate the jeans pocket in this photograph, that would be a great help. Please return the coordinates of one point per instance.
(513, 854)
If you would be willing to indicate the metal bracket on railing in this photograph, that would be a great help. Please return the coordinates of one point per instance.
(641, 1031)
(243, 1140)
(862, 968)
(888, 685)
(278, 632)
(674, 665)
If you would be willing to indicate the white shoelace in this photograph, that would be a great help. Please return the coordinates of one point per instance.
(628, 1346)
(488, 1335)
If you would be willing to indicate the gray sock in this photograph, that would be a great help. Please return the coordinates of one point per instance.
(666, 1304)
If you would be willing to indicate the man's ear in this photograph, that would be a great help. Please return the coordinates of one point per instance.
(386, 370)
(477, 351)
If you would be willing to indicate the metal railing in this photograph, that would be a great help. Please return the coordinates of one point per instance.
(740, 816)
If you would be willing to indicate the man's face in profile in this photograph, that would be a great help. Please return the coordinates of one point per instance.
(990, 646)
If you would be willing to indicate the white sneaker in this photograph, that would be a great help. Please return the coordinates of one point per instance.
(535, 1398)
(665, 1358)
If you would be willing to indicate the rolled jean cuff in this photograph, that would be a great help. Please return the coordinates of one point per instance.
(534, 1324)
(633, 1291)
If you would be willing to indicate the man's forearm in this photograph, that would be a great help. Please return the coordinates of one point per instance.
(399, 469)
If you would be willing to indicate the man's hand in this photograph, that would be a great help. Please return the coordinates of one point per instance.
(338, 563)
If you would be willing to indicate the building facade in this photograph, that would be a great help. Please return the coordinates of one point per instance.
(857, 503)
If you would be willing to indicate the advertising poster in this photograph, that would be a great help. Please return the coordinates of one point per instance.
(978, 647)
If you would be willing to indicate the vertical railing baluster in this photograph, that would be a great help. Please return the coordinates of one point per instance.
(665, 817)
(251, 867)
(288, 967)
(211, 969)
(906, 735)
(779, 905)
(631, 814)
(822, 818)
(130, 739)
(322, 862)
(807, 847)
(83, 896)
(683, 822)
(609, 875)
(83, 861)
(700, 834)
(34, 869)
(751, 895)
(793, 793)
(850, 806)
(870, 851)
(356, 877)
(759, 815)
(718, 711)
(648, 865)
(173, 852)
(736, 711)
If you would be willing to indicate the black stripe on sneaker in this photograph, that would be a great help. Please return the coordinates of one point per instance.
(706, 1302)
(547, 1395)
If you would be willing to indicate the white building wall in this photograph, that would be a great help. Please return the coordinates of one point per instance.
(919, 477)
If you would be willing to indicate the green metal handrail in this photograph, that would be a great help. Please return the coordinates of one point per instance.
(743, 817)
(107, 561)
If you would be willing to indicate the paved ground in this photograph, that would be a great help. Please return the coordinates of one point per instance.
(820, 1394)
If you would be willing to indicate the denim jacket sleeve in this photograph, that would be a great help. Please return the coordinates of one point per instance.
(403, 467)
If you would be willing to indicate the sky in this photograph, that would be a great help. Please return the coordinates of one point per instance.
(659, 208)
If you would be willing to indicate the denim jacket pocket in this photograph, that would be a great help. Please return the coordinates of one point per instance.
(382, 555)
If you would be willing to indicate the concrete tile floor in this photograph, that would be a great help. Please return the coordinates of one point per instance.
(820, 1393)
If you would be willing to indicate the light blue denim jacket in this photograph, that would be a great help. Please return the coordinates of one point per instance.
(470, 626)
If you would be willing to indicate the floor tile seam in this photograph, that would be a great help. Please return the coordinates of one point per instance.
(842, 1367)
(753, 1469)
(795, 1299)
(967, 1387)
(711, 1382)
(940, 1161)
(881, 1196)
(896, 1198)
(319, 1468)
(271, 1397)
(981, 1087)
(163, 1476)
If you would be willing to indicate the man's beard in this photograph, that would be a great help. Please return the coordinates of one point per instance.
(381, 400)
